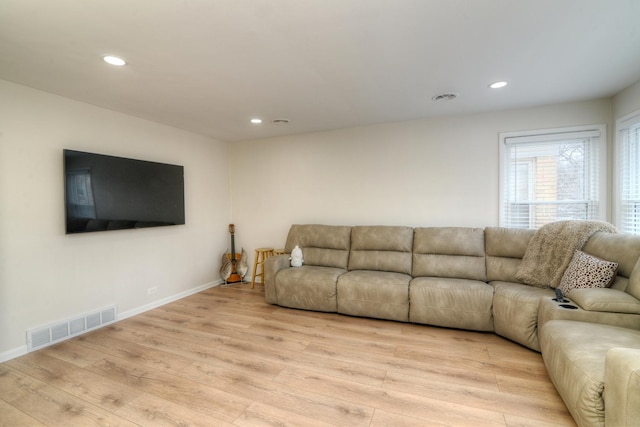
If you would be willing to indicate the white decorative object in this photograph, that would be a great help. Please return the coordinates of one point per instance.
(296, 257)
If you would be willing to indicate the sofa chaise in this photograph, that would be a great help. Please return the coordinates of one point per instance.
(470, 278)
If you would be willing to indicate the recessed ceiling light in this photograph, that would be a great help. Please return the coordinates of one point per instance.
(114, 60)
(497, 85)
(281, 121)
(256, 121)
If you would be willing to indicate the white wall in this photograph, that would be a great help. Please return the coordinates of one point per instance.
(627, 101)
(47, 276)
(437, 172)
(624, 103)
(432, 172)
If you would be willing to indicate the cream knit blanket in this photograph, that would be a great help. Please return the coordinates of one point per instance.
(551, 248)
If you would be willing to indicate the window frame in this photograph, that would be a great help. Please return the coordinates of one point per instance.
(623, 123)
(603, 201)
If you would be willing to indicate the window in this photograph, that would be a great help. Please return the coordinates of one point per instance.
(552, 175)
(628, 174)
(80, 202)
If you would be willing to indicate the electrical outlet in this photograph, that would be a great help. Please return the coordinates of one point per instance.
(152, 290)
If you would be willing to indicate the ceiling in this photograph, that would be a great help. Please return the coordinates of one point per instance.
(209, 66)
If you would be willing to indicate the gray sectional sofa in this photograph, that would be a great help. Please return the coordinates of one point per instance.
(467, 278)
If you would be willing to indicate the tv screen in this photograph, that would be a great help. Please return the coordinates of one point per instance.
(113, 193)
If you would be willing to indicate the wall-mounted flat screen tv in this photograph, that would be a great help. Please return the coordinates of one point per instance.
(112, 193)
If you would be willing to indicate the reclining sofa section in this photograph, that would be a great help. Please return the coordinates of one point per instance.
(445, 276)
(454, 277)
(466, 278)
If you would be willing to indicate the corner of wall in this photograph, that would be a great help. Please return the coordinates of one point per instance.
(626, 101)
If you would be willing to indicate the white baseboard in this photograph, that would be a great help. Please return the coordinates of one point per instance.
(167, 300)
(12, 354)
(23, 349)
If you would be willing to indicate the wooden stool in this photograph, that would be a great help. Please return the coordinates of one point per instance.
(261, 255)
(278, 252)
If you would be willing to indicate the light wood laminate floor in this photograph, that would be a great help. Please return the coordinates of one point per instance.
(224, 357)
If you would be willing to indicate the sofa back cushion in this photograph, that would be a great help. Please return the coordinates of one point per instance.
(456, 252)
(505, 248)
(322, 245)
(381, 248)
(623, 249)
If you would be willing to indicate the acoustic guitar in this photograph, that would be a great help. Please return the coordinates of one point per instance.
(234, 257)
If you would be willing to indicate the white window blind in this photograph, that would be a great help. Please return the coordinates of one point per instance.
(628, 191)
(551, 176)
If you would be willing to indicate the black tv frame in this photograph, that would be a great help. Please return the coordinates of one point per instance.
(104, 192)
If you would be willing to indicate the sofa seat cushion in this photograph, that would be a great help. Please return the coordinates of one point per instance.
(452, 303)
(308, 287)
(576, 363)
(515, 312)
(378, 294)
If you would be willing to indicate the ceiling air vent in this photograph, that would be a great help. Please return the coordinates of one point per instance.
(444, 97)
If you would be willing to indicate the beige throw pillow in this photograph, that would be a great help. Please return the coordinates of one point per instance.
(587, 271)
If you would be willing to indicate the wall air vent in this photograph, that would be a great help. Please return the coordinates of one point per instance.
(59, 331)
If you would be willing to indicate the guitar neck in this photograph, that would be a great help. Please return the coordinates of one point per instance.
(233, 243)
(233, 249)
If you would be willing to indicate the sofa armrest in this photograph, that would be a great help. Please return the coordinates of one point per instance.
(606, 300)
(622, 387)
(552, 310)
(272, 265)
